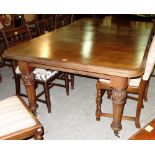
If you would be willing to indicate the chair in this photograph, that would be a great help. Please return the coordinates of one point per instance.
(136, 86)
(62, 20)
(30, 19)
(42, 76)
(6, 22)
(45, 26)
(17, 121)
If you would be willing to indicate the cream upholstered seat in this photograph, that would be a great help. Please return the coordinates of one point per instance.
(40, 74)
(17, 121)
(136, 86)
(132, 82)
(43, 74)
(13, 116)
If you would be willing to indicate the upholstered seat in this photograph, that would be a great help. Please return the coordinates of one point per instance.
(40, 74)
(16, 120)
(132, 82)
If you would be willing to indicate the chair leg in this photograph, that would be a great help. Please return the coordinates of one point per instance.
(98, 102)
(47, 97)
(67, 83)
(72, 81)
(3, 61)
(17, 83)
(146, 92)
(16, 78)
(38, 135)
(138, 110)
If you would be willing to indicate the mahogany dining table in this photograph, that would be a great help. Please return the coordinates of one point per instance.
(101, 48)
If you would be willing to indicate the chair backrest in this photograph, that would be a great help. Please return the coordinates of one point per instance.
(150, 62)
(62, 20)
(15, 36)
(45, 26)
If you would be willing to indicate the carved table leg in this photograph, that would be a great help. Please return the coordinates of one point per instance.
(98, 104)
(118, 98)
(28, 80)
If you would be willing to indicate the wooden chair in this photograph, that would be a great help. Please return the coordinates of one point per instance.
(42, 76)
(30, 19)
(45, 26)
(17, 121)
(136, 86)
(62, 20)
(6, 22)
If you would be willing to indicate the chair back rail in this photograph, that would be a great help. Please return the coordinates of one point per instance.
(45, 26)
(62, 20)
(15, 36)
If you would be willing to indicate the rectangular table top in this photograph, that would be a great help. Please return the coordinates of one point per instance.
(100, 46)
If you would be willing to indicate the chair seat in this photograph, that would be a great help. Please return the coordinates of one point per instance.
(133, 82)
(14, 116)
(40, 74)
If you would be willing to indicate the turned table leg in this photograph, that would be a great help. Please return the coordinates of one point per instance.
(118, 98)
(28, 80)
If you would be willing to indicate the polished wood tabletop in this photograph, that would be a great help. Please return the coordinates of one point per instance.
(99, 46)
(93, 47)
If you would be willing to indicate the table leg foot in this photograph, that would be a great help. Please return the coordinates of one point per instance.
(116, 134)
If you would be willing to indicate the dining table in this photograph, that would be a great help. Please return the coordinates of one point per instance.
(100, 48)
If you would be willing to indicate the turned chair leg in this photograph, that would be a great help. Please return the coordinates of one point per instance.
(47, 97)
(67, 83)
